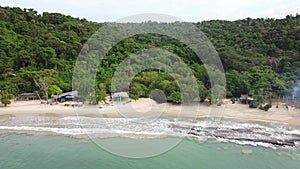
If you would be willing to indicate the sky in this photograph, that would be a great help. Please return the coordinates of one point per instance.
(187, 10)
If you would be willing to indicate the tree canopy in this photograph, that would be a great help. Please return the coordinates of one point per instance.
(257, 54)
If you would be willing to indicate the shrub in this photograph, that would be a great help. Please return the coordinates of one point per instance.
(175, 97)
(233, 100)
(133, 96)
(267, 107)
(254, 104)
(5, 102)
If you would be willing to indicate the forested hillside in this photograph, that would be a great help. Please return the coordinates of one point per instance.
(260, 56)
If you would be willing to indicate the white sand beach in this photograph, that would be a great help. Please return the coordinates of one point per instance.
(149, 108)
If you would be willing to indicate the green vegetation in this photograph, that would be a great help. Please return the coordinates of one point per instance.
(254, 104)
(5, 97)
(5, 102)
(233, 100)
(175, 97)
(267, 107)
(260, 56)
(54, 90)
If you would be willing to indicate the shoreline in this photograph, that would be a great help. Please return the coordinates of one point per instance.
(256, 134)
(145, 119)
(147, 108)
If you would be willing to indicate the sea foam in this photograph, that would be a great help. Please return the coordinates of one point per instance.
(256, 134)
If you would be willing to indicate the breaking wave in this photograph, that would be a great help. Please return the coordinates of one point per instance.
(256, 134)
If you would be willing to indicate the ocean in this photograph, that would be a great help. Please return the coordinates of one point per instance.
(60, 143)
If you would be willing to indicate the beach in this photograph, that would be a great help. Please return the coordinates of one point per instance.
(148, 108)
(234, 130)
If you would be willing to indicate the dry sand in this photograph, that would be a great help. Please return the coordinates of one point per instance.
(149, 108)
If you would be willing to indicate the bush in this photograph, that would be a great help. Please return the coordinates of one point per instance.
(175, 97)
(133, 96)
(254, 104)
(267, 107)
(5, 102)
(233, 100)
(137, 91)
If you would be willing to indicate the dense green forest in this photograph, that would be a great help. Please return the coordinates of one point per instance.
(261, 57)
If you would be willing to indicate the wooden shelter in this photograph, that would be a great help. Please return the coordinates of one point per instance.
(120, 97)
(246, 99)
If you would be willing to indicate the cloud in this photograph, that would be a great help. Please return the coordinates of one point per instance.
(190, 10)
(281, 8)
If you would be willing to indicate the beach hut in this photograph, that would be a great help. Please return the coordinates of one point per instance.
(26, 96)
(245, 99)
(68, 96)
(120, 97)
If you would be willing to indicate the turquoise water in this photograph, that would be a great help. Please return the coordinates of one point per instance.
(24, 151)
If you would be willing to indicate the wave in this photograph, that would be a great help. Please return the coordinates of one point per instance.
(256, 134)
